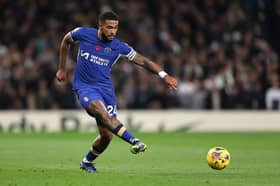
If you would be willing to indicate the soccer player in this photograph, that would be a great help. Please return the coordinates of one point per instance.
(99, 51)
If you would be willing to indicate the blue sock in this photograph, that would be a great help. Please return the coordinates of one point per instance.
(91, 155)
(123, 133)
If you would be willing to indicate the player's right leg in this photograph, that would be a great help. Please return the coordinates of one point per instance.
(98, 146)
(97, 109)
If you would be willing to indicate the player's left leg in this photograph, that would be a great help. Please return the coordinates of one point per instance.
(111, 122)
(117, 127)
(122, 132)
(97, 109)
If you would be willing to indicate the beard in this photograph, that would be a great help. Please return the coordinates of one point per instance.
(104, 37)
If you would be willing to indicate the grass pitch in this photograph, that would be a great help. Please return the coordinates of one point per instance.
(172, 159)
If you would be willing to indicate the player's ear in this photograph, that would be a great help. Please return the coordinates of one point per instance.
(100, 24)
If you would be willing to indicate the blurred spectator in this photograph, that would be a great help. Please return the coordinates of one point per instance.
(273, 94)
(222, 52)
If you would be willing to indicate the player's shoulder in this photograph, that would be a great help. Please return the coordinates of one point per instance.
(86, 30)
(119, 43)
(84, 34)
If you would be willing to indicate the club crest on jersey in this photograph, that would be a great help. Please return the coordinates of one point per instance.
(85, 99)
(107, 50)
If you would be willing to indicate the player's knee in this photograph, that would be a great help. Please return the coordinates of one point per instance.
(93, 110)
(98, 110)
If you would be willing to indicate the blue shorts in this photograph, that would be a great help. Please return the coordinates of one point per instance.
(104, 94)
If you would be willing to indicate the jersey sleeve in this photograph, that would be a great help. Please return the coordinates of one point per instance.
(76, 34)
(127, 51)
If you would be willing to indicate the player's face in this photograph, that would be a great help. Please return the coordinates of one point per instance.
(108, 29)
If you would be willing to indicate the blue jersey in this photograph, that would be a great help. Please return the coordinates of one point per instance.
(96, 58)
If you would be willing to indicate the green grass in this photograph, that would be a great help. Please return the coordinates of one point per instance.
(172, 159)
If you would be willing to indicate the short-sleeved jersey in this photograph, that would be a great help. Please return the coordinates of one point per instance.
(96, 58)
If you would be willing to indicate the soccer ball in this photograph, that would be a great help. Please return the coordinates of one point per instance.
(218, 158)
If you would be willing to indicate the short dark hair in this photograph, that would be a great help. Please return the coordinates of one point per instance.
(110, 15)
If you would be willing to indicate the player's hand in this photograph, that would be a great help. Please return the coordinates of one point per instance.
(61, 75)
(170, 81)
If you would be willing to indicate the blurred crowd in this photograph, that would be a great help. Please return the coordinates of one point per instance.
(225, 54)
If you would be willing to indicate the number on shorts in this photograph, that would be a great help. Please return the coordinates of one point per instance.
(112, 110)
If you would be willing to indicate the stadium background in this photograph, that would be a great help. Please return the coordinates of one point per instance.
(224, 53)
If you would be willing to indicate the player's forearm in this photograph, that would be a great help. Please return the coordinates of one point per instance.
(147, 64)
(64, 47)
(155, 68)
(152, 67)
(63, 54)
